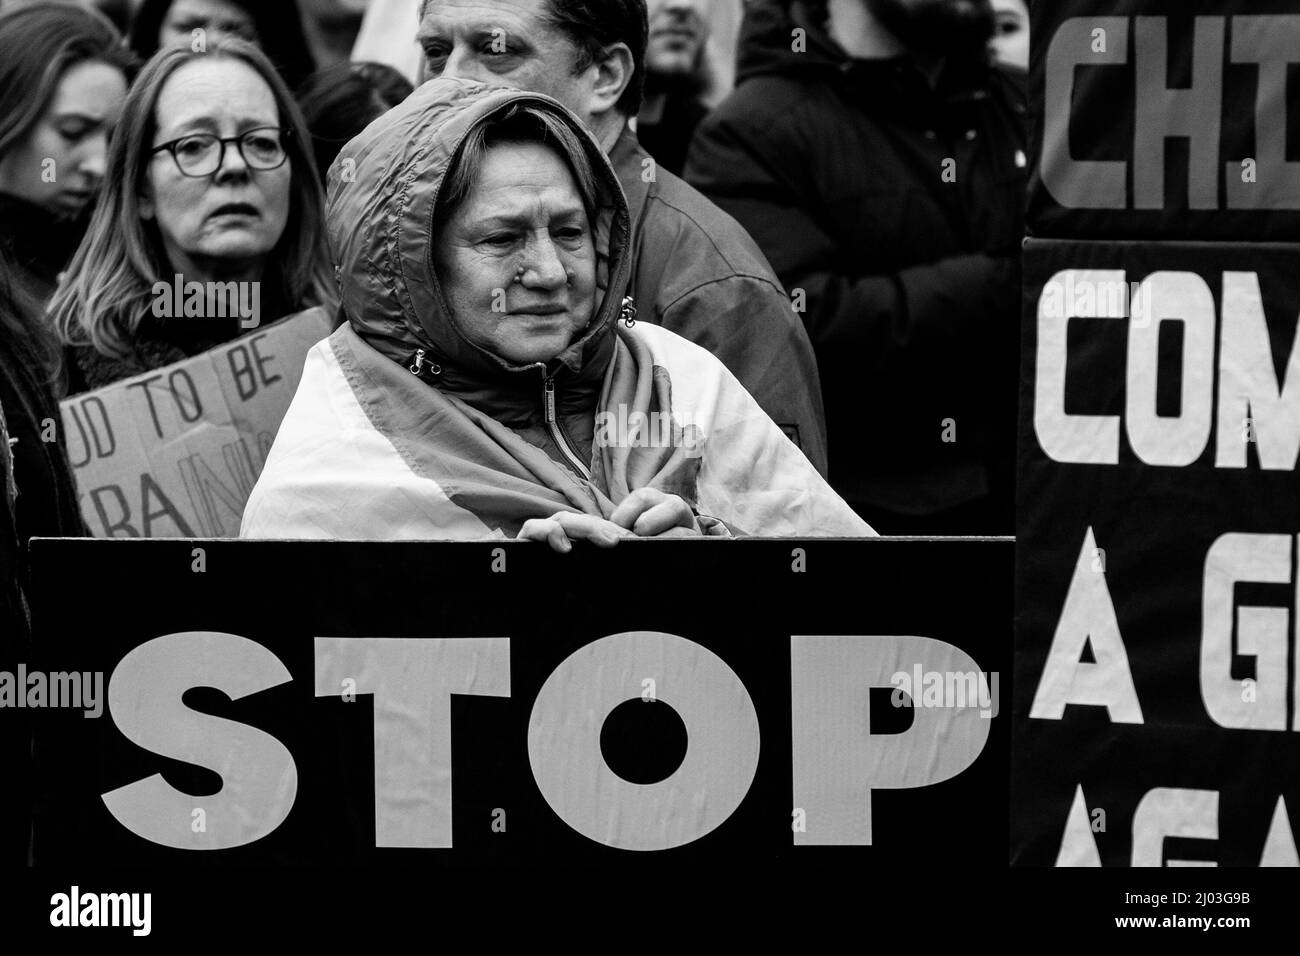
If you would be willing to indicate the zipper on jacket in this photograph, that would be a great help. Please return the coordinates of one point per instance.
(557, 433)
(417, 365)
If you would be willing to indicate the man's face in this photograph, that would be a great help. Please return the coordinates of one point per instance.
(504, 43)
(939, 27)
(678, 32)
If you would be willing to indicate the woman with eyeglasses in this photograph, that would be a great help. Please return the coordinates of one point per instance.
(210, 180)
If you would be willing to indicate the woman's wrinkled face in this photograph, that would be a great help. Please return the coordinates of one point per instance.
(60, 164)
(216, 18)
(517, 259)
(237, 213)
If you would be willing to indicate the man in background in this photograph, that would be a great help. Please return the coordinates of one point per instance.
(879, 161)
(695, 271)
(331, 28)
(677, 78)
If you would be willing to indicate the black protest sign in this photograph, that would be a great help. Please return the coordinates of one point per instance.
(1155, 706)
(294, 702)
(1165, 119)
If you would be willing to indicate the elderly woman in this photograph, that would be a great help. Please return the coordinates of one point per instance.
(491, 379)
(210, 179)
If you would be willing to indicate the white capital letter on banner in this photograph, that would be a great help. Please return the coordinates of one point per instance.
(1079, 184)
(1279, 845)
(1261, 631)
(1162, 113)
(1180, 439)
(721, 752)
(1177, 812)
(1248, 386)
(259, 778)
(1271, 42)
(837, 761)
(1073, 439)
(1087, 617)
(1078, 845)
(412, 680)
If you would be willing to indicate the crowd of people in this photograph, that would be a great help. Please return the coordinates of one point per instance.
(786, 230)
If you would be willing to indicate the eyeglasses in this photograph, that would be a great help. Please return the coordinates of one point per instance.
(201, 154)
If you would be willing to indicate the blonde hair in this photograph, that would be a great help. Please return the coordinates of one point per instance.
(108, 286)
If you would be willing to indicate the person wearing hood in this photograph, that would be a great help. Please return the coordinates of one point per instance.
(879, 161)
(491, 379)
(696, 271)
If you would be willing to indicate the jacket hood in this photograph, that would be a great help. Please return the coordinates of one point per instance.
(767, 41)
(383, 194)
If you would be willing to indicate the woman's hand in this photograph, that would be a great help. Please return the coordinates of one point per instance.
(648, 512)
(561, 529)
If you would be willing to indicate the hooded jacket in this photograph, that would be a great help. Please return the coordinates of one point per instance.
(403, 428)
(896, 209)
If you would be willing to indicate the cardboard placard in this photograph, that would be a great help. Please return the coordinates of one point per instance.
(175, 452)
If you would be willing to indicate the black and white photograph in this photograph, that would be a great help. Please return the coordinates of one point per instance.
(623, 471)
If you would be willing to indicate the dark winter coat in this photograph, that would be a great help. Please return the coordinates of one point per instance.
(895, 210)
(38, 246)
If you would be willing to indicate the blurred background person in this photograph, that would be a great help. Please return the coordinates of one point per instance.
(63, 79)
(210, 177)
(342, 100)
(879, 161)
(386, 37)
(696, 271)
(274, 25)
(680, 78)
(331, 28)
(1010, 43)
(118, 12)
(37, 497)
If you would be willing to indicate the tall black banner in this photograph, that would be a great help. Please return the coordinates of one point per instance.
(1156, 712)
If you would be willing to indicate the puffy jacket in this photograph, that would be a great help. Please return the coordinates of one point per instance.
(894, 209)
(402, 428)
(698, 273)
